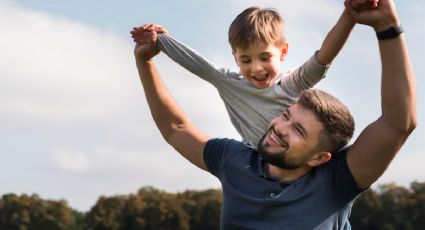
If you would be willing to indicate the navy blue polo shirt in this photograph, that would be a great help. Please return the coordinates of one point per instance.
(321, 199)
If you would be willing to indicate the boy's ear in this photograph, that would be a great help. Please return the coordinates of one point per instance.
(320, 158)
(284, 51)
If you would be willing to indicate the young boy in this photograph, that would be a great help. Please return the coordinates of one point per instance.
(257, 92)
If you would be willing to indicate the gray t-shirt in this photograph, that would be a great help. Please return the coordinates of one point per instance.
(320, 200)
(250, 109)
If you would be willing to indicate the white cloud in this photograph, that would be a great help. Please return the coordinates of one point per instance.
(73, 106)
(55, 69)
(70, 160)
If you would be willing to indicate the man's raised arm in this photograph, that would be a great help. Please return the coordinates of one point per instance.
(173, 124)
(378, 143)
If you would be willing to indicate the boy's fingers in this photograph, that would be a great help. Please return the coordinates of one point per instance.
(349, 7)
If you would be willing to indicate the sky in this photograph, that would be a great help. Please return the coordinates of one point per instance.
(74, 123)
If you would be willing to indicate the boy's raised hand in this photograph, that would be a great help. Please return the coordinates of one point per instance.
(141, 33)
(146, 37)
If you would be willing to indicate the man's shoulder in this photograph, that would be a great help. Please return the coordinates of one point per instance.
(228, 144)
(219, 152)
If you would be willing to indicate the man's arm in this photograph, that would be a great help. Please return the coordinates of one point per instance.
(377, 144)
(173, 124)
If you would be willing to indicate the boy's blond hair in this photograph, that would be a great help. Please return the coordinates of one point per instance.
(255, 25)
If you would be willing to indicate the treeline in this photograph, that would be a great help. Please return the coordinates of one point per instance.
(388, 207)
(148, 209)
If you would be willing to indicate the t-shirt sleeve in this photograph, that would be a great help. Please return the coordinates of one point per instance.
(191, 60)
(215, 153)
(304, 77)
(342, 178)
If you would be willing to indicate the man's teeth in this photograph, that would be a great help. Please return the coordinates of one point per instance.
(275, 138)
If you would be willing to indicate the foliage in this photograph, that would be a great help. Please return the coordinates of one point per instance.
(33, 213)
(151, 208)
(388, 207)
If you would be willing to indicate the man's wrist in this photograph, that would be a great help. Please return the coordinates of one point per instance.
(387, 22)
(389, 33)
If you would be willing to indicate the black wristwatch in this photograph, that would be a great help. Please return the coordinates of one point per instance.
(392, 32)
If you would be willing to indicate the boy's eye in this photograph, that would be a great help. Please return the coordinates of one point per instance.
(265, 58)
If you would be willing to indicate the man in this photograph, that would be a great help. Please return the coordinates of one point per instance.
(295, 180)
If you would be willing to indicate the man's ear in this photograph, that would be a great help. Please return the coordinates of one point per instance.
(284, 51)
(234, 56)
(320, 158)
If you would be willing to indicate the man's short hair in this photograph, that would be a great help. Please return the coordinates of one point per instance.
(333, 114)
(255, 25)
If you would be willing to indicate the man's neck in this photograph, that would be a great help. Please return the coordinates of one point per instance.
(287, 174)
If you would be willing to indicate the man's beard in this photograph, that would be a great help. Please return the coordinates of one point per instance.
(275, 158)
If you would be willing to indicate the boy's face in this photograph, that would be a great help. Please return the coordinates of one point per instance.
(259, 63)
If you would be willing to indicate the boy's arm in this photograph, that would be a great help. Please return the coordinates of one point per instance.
(173, 124)
(311, 72)
(314, 70)
(378, 143)
(335, 39)
(190, 59)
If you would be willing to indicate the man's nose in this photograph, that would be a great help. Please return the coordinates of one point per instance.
(282, 128)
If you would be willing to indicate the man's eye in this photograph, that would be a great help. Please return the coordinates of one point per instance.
(299, 131)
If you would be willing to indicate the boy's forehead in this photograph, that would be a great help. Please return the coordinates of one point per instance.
(257, 47)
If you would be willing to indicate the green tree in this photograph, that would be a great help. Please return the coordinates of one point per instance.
(417, 205)
(106, 214)
(33, 213)
(204, 208)
(390, 207)
(162, 211)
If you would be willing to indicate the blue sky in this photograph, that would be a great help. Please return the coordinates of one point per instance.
(74, 123)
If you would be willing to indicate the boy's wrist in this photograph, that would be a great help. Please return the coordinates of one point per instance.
(349, 17)
(144, 62)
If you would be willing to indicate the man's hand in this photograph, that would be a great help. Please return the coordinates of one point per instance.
(146, 37)
(380, 18)
(362, 5)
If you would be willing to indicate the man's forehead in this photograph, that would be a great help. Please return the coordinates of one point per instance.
(304, 116)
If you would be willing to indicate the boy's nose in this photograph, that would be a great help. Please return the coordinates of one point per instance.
(256, 67)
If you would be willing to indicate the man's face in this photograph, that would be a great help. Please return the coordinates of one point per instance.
(292, 139)
(259, 63)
